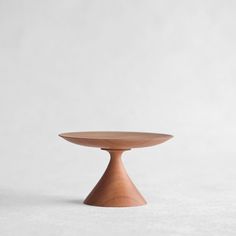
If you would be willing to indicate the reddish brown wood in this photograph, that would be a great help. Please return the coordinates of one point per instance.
(115, 188)
(115, 140)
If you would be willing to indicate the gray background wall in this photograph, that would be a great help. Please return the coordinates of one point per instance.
(158, 66)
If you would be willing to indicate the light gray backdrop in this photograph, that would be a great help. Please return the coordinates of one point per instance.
(158, 66)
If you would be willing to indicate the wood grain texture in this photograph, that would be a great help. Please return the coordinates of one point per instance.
(115, 188)
(115, 139)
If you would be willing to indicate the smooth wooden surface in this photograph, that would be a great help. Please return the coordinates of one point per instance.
(115, 188)
(115, 140)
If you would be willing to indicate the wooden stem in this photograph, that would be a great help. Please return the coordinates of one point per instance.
(115, 188)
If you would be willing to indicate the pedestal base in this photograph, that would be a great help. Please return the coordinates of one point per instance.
(115, 188)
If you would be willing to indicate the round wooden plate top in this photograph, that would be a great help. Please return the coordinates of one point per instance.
(115, 139)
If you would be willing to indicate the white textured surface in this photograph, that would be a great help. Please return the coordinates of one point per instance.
(183, 198)
(160, 66)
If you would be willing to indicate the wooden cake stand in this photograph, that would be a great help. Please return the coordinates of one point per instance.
(115, 188)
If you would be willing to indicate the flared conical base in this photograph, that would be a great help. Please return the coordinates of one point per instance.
(115, 188)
